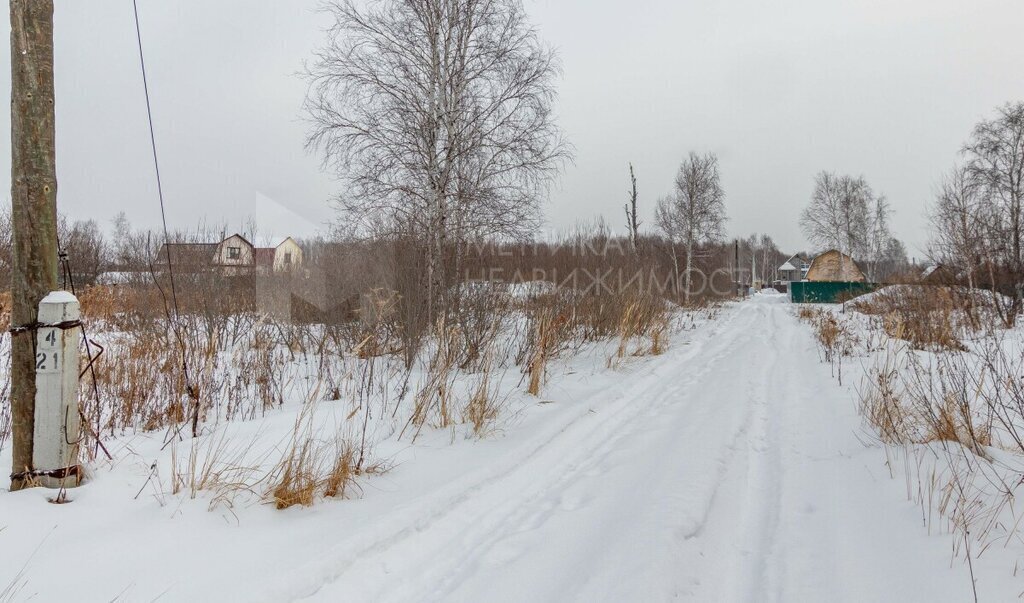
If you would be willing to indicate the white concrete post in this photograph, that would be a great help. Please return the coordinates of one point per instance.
(57, 424)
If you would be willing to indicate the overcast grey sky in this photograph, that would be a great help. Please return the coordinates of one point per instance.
(780, 90)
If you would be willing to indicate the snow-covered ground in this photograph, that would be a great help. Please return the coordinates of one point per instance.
(731, 468)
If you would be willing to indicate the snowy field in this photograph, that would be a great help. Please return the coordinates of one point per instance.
(733, 467)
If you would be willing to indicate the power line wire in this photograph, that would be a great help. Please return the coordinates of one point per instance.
(163, 218)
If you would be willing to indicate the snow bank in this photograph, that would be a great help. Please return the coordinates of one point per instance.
(889, 292)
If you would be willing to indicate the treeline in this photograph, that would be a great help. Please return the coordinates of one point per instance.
(845, 213)
(977, 217)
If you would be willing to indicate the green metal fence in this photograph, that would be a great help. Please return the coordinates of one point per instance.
(827, 292)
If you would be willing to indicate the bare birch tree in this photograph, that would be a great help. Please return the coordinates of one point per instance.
(879, 236)
(437, 116)
(958, 229)
(694, 212)
(632, 224)
(839, 215)
(766, 256)
(995, 167)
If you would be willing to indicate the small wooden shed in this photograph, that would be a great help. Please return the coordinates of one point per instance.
(835, 266)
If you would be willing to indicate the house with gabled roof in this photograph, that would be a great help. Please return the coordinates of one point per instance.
(233, 256)
(835, 266)
(793, 269)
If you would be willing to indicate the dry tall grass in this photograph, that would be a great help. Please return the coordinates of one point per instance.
(835, 337)
(215, 465)
(643, 317)
(223, 359)
(314, 466)
(930, 318)
(946, 407)
(546, 341)
(883, 406)
(436, 398)
(483, 408)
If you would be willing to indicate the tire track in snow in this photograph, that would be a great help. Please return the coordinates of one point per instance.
(564, 458)
(760, 516)
(601, 441)
(727, 555)
(539, 508)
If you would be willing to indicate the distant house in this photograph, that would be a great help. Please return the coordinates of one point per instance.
(233, 256)
(793, 269)
(187, 257)
(939, 274)
(287, 256)
(835, 266)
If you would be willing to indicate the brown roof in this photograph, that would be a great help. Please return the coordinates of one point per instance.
(245, 240)
(187, 254)
(939, 274)
(264, 256)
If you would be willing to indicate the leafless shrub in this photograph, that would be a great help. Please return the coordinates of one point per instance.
(835, 337)
(244, 361)
(883, 406)
(931, 318)
(480, 316)
(948, 411)
(436, 397)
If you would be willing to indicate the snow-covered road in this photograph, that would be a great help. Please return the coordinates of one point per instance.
(729, 469)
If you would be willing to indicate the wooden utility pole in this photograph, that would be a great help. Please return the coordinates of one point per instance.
(34, 208)
(736, 268)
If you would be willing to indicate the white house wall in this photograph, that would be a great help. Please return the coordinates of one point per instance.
(280, 253)
(245, 256)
